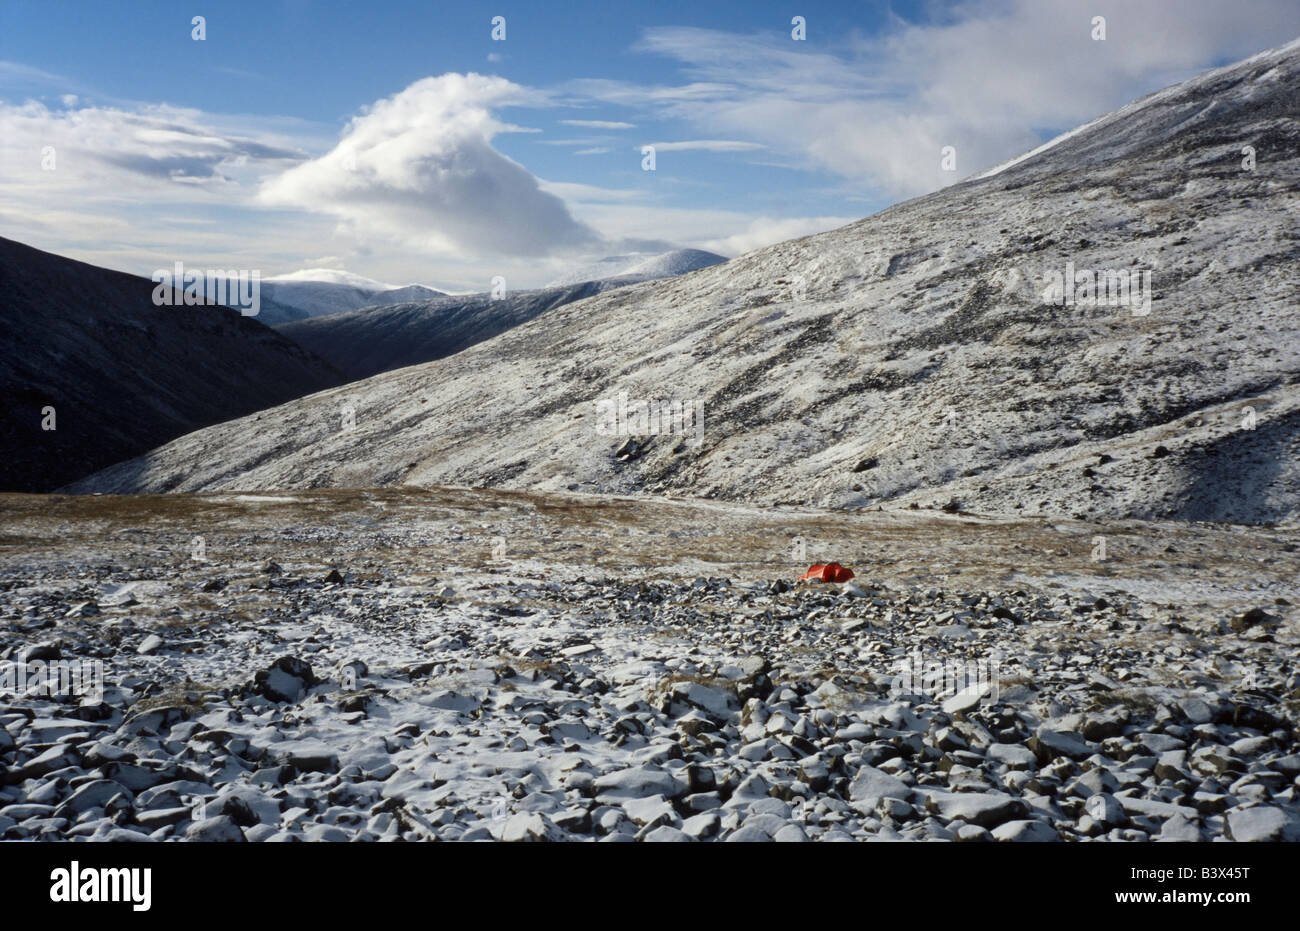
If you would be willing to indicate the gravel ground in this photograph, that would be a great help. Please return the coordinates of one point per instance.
(455, 664)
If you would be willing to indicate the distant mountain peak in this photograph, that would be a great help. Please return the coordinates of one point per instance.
(334, 276)
(640, 266)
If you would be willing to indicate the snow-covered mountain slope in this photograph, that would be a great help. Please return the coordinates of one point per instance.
(120, 374)
(371, 340)
(317, 292)
(908, 358)
(641, 266)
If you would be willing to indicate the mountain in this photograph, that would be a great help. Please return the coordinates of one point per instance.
(379, 339)
(366, 342)
(641, 266)
(121, 374)
(319, 291)
(948, 351)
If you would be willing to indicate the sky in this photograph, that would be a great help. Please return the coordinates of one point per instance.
(403, 142)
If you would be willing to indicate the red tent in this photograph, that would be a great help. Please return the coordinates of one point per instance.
(831, 572)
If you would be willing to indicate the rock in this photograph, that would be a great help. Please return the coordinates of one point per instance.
(530, 827)
(770, 806)
(155, 721)
(637, 782)
(1012, 756)
(870, 785)
(333, 577)
(308, 756)
(1153, 808)
(1261, 823)
(1252, 746)
(285, 680)
(896, 808)
(1026, 831)
(47, 650)
(325, 833)
(650, 812)
(968, 698)
(138, 778)
(451, 701)
(748, 835)
(1196, 710)
(703, 825)
(717, 702)
(1047, 745)
(60, 756)
(90, 795)
(987, 809)
(1106, 810)
(1288, 765)
(1245, 621)
(219, 830)
(790, 834)
(667, 835)
(162, 817)
(150, 644)
(1180, 829)
(814, 773)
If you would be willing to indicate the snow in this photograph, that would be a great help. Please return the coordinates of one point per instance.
(918, 337)
(334, 276)
(640, 266)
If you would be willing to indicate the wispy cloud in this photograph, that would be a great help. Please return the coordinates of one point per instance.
(599, 124)
(985, 80)
(709, 145)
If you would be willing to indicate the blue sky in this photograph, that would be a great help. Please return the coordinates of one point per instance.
(399, 141)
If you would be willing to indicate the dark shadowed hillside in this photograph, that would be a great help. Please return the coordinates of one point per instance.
(122, 375)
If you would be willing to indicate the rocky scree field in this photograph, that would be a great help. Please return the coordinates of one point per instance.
(459, 664)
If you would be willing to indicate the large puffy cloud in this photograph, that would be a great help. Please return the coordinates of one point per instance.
(419, 167)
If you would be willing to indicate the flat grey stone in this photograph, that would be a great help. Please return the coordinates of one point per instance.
(1026, 832)
(1261, 823)
(987, 809)
(221, 830)
(870, 785)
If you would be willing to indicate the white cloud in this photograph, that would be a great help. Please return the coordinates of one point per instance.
(333, 276)
(765, 231)
(599, 124)
(575, 191)
(598, 150)
(102, 151)
(650, 227)
(419, 167)
(985, 80)
(708, 145)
